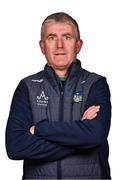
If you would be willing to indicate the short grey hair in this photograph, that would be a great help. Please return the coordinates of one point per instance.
(61, 17)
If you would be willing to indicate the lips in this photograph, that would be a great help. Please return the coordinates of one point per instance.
(60, 53)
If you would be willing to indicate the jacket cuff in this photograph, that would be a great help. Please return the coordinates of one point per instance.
(41, 128)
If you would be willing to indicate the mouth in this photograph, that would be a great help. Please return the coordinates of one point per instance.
(60, 54)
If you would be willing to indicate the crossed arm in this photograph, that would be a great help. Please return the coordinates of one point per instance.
(88, 132)
(45, 144)
(20, 143)
(89, 114)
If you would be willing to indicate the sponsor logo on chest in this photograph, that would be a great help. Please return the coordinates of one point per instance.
(42, 99)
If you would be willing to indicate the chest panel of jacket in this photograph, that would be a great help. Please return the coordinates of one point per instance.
(48, 102)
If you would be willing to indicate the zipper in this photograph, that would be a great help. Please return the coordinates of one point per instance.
(59, 174)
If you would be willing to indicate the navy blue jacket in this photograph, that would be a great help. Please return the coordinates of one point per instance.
(56, 140)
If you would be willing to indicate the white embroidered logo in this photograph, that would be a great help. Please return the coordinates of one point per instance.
(83, 82)
(42, 100)
(37, 80)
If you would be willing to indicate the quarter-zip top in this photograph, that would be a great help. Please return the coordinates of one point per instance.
(63, 146)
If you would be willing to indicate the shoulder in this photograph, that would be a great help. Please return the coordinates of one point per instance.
(38, 77)
(101, 84)
(100, 90)
(97, 80)
(95, 84)
(92, 76)
(91, 79)
(28, 81)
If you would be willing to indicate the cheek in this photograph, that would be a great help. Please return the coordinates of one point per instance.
(71, 46)
(46, 50)
(72, 50)
(50, 47)
(49, 52)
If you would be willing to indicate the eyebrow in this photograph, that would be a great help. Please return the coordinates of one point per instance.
(51, 34)
(65, 34)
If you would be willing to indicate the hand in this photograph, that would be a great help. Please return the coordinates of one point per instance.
(91, 112)
(31, 130)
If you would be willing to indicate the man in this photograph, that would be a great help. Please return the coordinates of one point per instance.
(60, 117)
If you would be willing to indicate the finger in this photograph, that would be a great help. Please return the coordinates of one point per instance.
(91, 111)
(92, 117)
(89, 117)
(92, 108)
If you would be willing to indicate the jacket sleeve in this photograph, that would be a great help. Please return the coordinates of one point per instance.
(82, 134)
(20, 143)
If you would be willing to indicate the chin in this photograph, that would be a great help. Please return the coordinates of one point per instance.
(62, 66)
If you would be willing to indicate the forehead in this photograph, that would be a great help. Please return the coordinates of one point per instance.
(59, 27)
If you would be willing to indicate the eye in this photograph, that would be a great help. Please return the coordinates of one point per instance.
(67, 37)
(51, 37)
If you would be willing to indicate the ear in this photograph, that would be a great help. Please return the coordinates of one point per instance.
(42, 46)
(79, 45)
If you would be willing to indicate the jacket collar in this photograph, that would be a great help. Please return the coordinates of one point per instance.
(74, 74)
(74, 68)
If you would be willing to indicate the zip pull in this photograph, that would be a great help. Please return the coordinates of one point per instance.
(62, 93)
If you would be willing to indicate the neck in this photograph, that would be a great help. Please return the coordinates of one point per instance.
(61, 73)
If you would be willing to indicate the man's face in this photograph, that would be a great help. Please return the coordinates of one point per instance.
(59, 44)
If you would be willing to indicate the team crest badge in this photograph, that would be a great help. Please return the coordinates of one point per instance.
(78, 97)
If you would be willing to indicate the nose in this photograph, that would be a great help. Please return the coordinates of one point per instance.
(59, 43)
